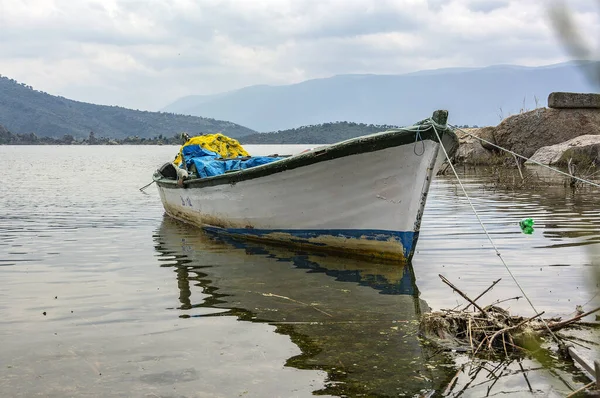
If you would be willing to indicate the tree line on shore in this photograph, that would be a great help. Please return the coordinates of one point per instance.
(326, 133)
(8, 138)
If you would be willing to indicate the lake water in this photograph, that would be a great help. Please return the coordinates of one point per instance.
(102, 295)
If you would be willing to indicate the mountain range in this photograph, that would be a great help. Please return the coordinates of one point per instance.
(24, 110)
(473, 96)
(318, 110)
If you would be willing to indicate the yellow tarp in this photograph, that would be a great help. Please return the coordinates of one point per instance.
(219, 143)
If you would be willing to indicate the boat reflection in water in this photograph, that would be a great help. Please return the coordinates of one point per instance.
(356, 320)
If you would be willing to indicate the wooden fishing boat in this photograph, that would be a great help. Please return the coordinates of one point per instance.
(361, 197)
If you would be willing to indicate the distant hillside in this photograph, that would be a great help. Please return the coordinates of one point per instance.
(326, 133)
(481, 96)
(24, 110)
(5, 136)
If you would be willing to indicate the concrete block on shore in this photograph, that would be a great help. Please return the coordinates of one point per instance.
(562, 100)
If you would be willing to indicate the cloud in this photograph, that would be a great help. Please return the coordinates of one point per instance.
(487, 6)
(144, 54)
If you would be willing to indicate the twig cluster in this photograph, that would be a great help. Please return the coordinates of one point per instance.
(489, 329)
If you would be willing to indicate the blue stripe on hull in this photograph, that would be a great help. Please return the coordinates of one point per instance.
(304, 236)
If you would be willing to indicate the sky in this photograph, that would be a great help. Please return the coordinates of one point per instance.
(146, 54)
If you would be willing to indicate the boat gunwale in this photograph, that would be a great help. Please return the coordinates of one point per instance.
(354, 146)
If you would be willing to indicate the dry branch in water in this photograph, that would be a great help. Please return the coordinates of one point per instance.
(491, 329)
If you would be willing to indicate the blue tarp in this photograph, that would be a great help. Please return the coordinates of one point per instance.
(208, 165)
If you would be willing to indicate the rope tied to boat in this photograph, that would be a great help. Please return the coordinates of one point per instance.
(417, 139)
(435, 129)
(419, 127)
(146, 186)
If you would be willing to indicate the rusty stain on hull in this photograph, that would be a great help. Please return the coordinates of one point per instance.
(390, 249)
(200, 219)
(361, 247)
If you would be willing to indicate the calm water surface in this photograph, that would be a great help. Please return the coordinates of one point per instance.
(102, 295)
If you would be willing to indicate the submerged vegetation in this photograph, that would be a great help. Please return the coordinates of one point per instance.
(490, 329)
(490, 332)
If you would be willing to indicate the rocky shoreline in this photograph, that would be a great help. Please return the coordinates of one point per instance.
(565, 132)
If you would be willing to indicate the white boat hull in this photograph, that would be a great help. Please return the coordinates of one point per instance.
(367, 204)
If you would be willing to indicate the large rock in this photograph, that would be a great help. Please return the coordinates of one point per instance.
(471, 150)
(584, 149)
(527, 132)
(487, 134)
(573, 100)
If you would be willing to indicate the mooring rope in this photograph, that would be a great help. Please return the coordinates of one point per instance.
(525, 158)
(146, 186)
(488, 235)
(418, 138)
